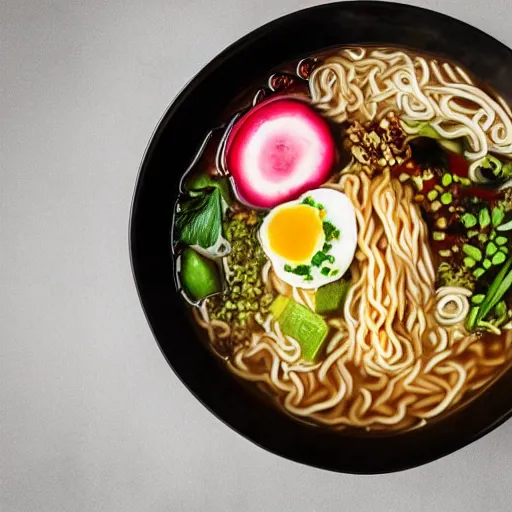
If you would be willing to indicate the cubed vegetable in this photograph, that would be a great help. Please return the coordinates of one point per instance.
(330, 298)
(302, 324)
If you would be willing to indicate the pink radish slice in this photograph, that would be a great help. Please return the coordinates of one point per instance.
(279, 150)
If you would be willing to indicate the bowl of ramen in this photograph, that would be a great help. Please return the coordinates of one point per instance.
(321, 236)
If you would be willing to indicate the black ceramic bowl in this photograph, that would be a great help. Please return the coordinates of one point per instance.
(171, 149)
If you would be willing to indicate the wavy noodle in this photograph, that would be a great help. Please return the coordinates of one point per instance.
(397, 354)
(368, 83)
(388, 363)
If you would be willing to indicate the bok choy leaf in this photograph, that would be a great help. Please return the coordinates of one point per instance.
(199, 221)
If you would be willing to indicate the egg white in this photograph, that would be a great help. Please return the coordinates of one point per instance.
(341, 213)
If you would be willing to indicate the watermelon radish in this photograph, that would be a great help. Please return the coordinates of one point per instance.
(278, 150)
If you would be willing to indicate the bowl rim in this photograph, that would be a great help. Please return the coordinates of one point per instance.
(176, 103)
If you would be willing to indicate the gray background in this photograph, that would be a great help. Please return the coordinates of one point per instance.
(91, 417)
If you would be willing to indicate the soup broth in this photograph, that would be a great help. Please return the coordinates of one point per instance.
(344, 239)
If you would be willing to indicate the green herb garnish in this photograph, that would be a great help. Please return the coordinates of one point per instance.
(498, 258)
(496, 291)
(325, 271)
(446, 180)
(490, 249)
(497, 216)
(477, 299)
(472, 252)
(320, 257)
(469, 262)
(484, 218)
(311, 202)
(330, 231)
(302, 270)
(446, 198)
(479, 272)
(327, 247)
(469, 220)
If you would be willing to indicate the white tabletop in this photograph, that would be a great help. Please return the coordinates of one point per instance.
(91, 416)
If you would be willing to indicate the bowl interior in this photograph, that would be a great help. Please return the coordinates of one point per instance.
(193, 113)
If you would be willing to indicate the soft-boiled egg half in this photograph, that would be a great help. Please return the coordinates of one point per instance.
(311, 241)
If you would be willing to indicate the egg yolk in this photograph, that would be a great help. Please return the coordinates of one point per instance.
(295, 231)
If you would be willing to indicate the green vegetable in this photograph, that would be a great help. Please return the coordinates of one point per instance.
(428, 131)
(472, 232)
(487, 264)
(330, 231)
(325, 271)
(471, 319)
(505, 227)
(424, 129)
(469, 220)
(472, 252)
(320, 257)
(498, 288)
(452, 145)
(446, 180)
(327, 247)
(245, 290)
(311, 202)
(300, 323)
(482, 237)
(498, 258)
(199, 221)
(330, 298)
(438, 235)
(199, 276)
(465, 181)
(501, 240)
(445, 253)
(492, 164)
(446, 198)
(432, 194)
(500, 309)
(477, 299)
(202, 181)
(490, 249)
(497, 216)
(299, 270)
(484, 217)
(479, 272)
(469, 262)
